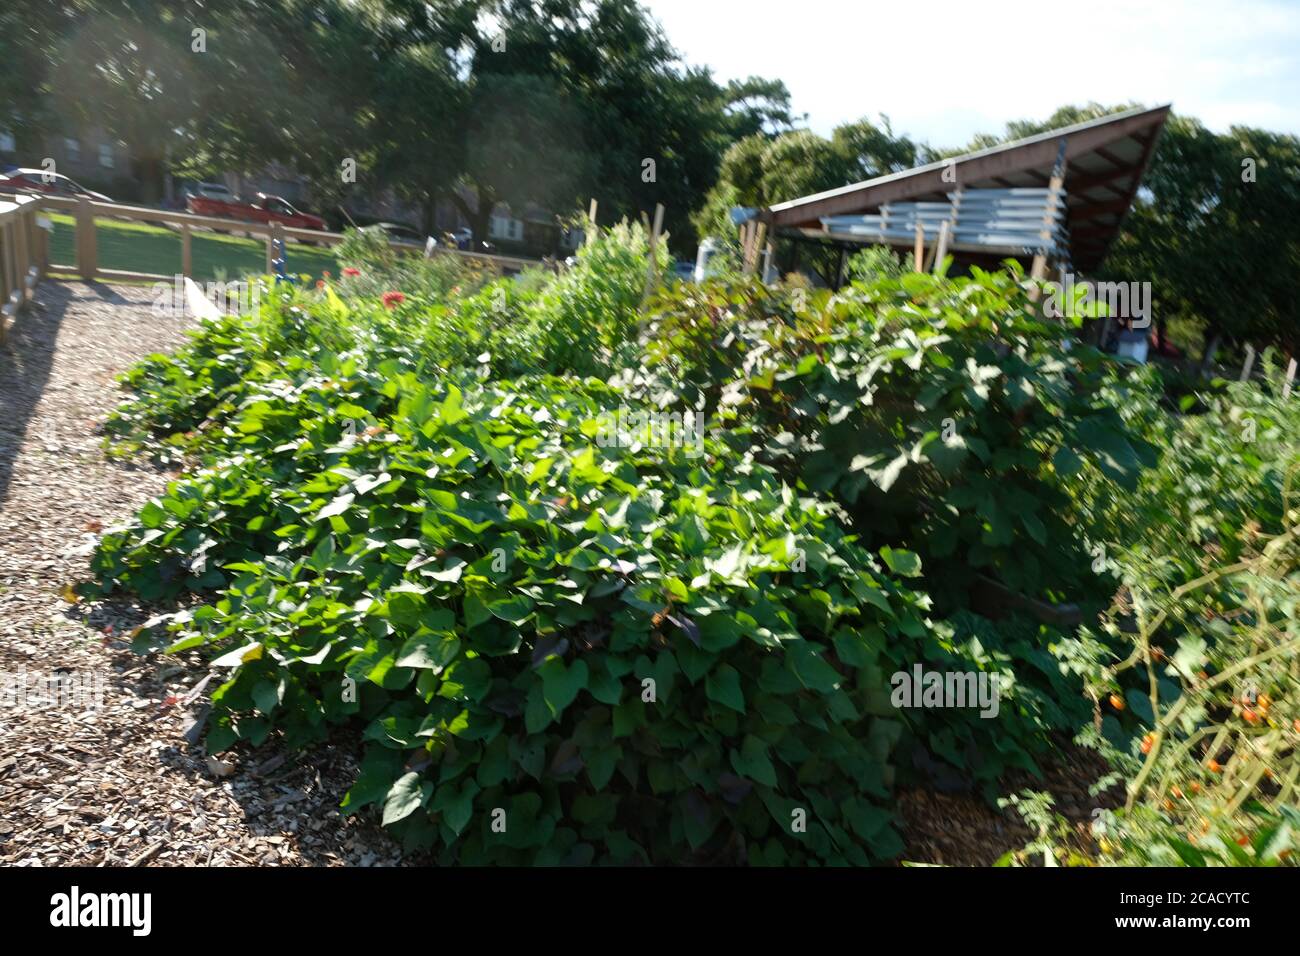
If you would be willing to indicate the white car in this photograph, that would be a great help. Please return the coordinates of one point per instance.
(212, 191)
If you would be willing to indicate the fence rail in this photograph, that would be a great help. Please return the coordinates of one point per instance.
(24, 252)
(86, 253)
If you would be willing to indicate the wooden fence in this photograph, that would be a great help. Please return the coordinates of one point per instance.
(86, 254)
(24, 254)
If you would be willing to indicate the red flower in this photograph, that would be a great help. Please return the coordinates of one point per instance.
(349, 271)
(320, 283)
(392, 300)
(326, 273)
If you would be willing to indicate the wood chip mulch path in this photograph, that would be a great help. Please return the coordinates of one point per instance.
(119, 785)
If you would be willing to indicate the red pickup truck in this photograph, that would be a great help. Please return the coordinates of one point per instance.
(264, 209)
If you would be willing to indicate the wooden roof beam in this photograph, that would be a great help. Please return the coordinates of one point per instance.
(1035, 154)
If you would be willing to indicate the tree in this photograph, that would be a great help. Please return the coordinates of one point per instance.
(479, 101)
(763, 169)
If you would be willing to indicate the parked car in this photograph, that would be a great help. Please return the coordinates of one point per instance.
(210, 191)
(32, 181)
(395, 230)
(263, 209)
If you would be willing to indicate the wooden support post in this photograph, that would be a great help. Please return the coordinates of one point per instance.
(760, 240)
(1055, 198)
(931, 256)
(4, 282)
(87, 244)
(6, 269)
(42, 245)
(591, 221)
(1290, 378)
(187, 254)
(941, 247)
(270, 270)
(22, 255)
(918, 253)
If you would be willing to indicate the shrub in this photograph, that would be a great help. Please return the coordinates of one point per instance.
(941, 414)
(372, 267)
(498, 585)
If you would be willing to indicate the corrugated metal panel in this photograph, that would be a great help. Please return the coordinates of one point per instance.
(999, 219)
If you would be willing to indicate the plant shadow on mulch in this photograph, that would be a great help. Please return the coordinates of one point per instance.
(27, 353)
(26, 358)
(958, 827)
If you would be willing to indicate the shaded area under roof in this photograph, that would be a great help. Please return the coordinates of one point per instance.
(1105, 161)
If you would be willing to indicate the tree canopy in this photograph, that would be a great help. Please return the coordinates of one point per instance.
(478, 101)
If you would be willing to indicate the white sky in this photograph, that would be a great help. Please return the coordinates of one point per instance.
(944, 70)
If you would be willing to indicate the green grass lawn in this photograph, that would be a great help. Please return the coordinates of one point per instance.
(141, 247)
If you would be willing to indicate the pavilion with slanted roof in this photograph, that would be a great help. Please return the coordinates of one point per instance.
(1053, 200)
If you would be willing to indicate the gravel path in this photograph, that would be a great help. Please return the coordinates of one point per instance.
(117, 782)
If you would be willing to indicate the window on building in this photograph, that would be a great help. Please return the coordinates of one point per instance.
(7, 144)
(506, 227)
(73, 150)
(106, 155)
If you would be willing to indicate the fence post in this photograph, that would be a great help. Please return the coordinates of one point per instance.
(87, 245)
(269, 253)
(187, 252)
(652, 269)
(277, 242)
(22, 255)
(5, 286)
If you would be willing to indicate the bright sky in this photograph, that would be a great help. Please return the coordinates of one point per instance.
(944, 70)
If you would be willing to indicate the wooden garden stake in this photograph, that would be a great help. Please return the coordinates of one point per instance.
(918, 254)
(652, 269)
(1249, 363)
(1290, 377)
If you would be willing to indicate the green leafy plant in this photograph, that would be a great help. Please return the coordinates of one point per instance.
(465, 572)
